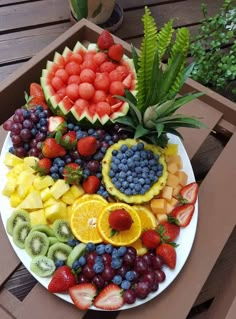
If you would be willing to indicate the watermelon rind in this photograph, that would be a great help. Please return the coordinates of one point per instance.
(78, 47)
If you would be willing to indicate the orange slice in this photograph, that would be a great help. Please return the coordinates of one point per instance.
(122, 238)
(84, 221)
(148, 220)
(138, 245)
(88, 197)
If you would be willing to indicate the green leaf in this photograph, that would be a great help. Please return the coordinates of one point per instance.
(125, 120)
(133, 109)
(140, 131)
(160, 129)
(81, 8)
(164, 108)
(135, 58)
(164, 37)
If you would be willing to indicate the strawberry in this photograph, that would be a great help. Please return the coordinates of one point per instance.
(116, 52)
(82, 295)
(69, 140)
(91, 184)
(56, 123)
(168, 231)
(188, 193)
(87, 146)
(52, 149)
(168, 254)
(72, 173)
(150, 238)
(105, 40)
(37, 95)
(62, 280)
(43, 166)
(182, 215)
(120, 219)
(110, 298)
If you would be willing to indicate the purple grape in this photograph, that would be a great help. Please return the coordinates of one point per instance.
(93, 166)
(157, 262)
(148, 258)
(108, 273)
(149, 276)
(40, 136)
(141, 266)
(43, 129)
(75, 154)
(90, 258)
(155, 284)
(98, 281)
(100, 134)
(19, 112)
(20, 151)
(88, 271)
(132, 251)
(33, 143)
(115, 138)
(28, 124)
(160, 275)
(142, 289)
(16, 140)
(25, 134)
(129, 296)
(122, 271)
(129, 259)
(34, 118)
(18, 118)
(82, 279)
(34, 152)
(106, 259)
(8, 125)
(16, 128)
(39, 146)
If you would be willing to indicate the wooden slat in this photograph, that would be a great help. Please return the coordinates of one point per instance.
(134, 4)
(163, 13)
(4, 314)
(6, 70)
(33, 14)
(46, 305)
(217, 185)
(232, 311)
(8, 301)
(23, 45)
(7, 2)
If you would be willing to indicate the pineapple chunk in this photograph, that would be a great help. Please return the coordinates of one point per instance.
(172, 180)
(37, 217)
(183, 178)
(158, 206)
(59, 188)
(68, 197)
(171, 149)
(51, 201)
(46, 194)
(69, 212)
(56, 211)
(176, 190)
(32, 201)
(19, 168)
(12, 160)
(30, 161)
(23, 191)
(43, 182)
(161, 218)
(77, 191)
(26, 177)
(167, 192)
(15, 200)
(9, 187)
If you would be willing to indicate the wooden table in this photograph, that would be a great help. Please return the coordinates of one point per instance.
(26, 27)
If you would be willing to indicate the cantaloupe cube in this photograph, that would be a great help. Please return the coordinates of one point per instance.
(169, 208)
(59, 188)
(173, 201)
(175, 159)
(68, 198)
(176, 190)
(167, 192)
(158, 206)
(161, 218)
(46, 194)
(183, 177)
(12, 160)
(172, 180)
(77, 190)
(37, 217)
(43, 182)
(172, 168)
(171, 149)
(56, 211)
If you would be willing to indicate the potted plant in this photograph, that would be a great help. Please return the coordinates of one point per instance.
(106, 13)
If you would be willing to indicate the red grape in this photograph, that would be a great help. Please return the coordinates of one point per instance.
(129, 296)
(157, 262)
(98, 281)
(160, 275)
(8, 125)
(82, 279)
(108, 273)
(142, 289)
(141, 266)
(16, 140)
(90, 258)
(88, 271)
(25, 134)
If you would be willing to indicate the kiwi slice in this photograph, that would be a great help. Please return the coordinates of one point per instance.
(62, 230)
(36, 244)
(59, 251)
(43, 229)
(18, 216)
(77, 251)
(52, 240)
(20, 232)
(42, 266)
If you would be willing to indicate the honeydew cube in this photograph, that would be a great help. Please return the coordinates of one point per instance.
(158, 206)
(173, 201)
(51, 201)
(176, 190)
(172, 168)
(46, 194)
(161, 218)
(169, 208)
(171, 149)
(172, 180)
(56, 211)
(9, 187)
(43, 182)
(59, 188)
(30, 161)
(183, 177)
(68, 198)
(12, 160)
(32, 201)
(15, 200)
(167, 192)
(77, 191)
(37, 217)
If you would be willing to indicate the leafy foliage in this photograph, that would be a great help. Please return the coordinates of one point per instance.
(164, 37)
(81, 8)
(214, 67)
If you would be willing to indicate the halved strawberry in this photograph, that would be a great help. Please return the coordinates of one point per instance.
(183, 214)
(189, 193)
(82, 295)
(110, 298)
(56, 123)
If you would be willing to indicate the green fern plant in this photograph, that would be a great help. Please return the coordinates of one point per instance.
(151, 114)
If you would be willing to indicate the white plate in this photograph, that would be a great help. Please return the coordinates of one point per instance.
(185, 240)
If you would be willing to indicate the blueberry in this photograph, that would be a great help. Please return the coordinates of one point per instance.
(34, 131)
(117, 280)
(136, 158)
(79, 134)
(90, 247)
(116, 263)
(116, 161)
(115, 253)
(130, 275)
(54, 169)
(107, 138)
(125, 185)
(103, 150)
(114, 153)
(70, 126)
(43, 122)
(100, 249)
(59, 263)
(108, 248)
(61, 163)
(124, 161)
(91, 131)
(76, 128)
(98, 259)
(129, 153)
(140, 146)
(76, 265)
(72, 242)
(122, 175)
(112, 173)
(125, 284)
(118, 184)
(114, 180)
(138, 170)
(98, 156)
(131, 185)
(99, 175)
(98, 267)
(121, 251)
(78, 161)
(124, 148)
(82, 260)
(137, 187)
(120, 156)
(114, 167)
(55, 176)
(121, 166)
(160, 167)
(129, 179)
(128, 192)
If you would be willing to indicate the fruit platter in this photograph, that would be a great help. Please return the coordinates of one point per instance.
(98, 196)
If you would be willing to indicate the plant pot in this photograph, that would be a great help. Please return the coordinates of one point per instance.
(111, 20)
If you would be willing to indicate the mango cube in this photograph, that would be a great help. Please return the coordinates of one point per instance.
(12, 160)
(172, 180)
(173, 201)
(158, 206)
(56, 211)
(175, 159)
(77, 190)
(37, 217)
(169, 208)
(43, 182)
(172, 168)
(59, 188)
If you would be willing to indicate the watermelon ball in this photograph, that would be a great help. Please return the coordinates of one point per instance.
(103, 108)
(72, 91)
(107, 67)
(99, 58)
(81, 105)
(72, 68)
(102, 82)
(57, 83)
(62, 74)
(74, 79)
(99, 96)
(76, 57)
(115, 76)
(89, 64)
(117, 88)
(87, 75)
(86, 90)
